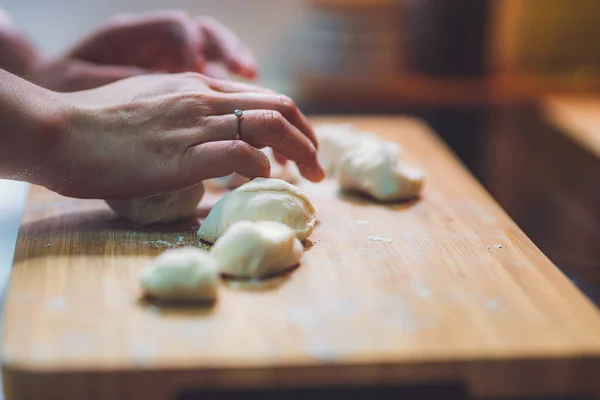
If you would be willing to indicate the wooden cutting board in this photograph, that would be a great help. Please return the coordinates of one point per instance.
(443, 289)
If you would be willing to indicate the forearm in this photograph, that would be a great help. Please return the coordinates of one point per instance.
(31, 125)
(17, 54)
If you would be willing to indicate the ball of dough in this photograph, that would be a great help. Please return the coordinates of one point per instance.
(181, 274)
(256, 249)
(376, 171)
(337, 139)
(160, 209)
(261, 199)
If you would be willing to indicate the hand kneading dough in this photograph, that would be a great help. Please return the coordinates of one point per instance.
(337, 139)
(256, 249)
(261, 199)
(160, 209)
(375, 171)
(181, 274)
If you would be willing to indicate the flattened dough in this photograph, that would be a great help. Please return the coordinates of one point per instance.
(181, 274)
(261, 199)
(161, 209)
(256, 249)
(376, 171)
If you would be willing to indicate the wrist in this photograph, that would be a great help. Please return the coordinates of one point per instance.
(34, 132)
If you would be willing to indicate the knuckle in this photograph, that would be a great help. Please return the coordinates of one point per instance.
(198, 101)
(239, 150)
(273, 118)
(312, 152)
(286, 102)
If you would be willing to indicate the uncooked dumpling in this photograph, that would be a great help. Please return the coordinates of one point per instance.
(337, 139)
(376, 171)
(256, 249)
(261, 199)
(160, 209)
(181, 274)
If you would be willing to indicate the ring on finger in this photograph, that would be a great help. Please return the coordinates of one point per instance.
(238, 114)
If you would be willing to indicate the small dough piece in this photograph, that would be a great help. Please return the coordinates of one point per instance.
(337, 139)
(261, 199)
(376, 171)
(256, 249)
(160, 209)
(181, 274)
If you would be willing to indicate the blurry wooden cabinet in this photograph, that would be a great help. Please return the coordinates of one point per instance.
(544, 169)
(379, 55)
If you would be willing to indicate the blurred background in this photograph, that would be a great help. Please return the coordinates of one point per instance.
(513, 86)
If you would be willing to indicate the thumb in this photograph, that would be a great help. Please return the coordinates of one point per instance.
(222, 158)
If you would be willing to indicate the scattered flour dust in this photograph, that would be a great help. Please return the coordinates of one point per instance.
(379, 239)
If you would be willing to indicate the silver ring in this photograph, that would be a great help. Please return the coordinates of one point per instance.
(238, 114)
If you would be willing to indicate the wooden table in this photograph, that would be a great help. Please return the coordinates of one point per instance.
(443, 289)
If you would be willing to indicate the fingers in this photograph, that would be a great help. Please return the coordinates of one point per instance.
(215, 70)
(216, 159)
(101, 75)
(226, 103)
(166, 39)
(279, 158)
(262, 128)
(227, 47)
(75, 75)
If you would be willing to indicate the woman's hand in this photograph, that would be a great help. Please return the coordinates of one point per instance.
(158, 133)
(160, 41)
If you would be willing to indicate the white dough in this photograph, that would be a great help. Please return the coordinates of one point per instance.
(181, 274)
(337, 139)
(376, 171)
(160, 209)
(261, 199)
(256, 249)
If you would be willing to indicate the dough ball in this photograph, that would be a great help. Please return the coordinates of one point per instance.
(288, 172)
(376, 171)
(160, 209)
(337, 139)
(261, 199)
(256, 249)
(181, 274)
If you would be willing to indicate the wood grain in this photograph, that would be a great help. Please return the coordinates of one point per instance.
(455, 293)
